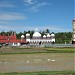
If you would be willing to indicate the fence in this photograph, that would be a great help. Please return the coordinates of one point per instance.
(58, 45)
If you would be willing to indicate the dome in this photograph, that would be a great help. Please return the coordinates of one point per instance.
(52, 34)
(36, 34)
(48, 35)
(44, 36)
(27, 34)
(22, 36)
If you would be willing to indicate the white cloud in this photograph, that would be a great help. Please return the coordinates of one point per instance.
(20, 28)
(11, 16)
(6, 4)
(4, 23)
(52, 28)
(28, 1)
(35, 5)
(2, 27)
(38, 6)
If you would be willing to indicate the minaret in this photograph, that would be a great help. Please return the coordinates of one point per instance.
(27, 37)
(73, 35)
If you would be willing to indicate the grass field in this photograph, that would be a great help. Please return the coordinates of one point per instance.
(18, 50)
(11, 55)
(37, 62)
(42, 73)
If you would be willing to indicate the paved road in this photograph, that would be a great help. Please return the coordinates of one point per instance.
(37, 62)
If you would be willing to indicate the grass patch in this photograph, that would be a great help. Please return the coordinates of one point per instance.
(42, 73)
(17, 50)
(61, 50)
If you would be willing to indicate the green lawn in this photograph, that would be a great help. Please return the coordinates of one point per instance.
(17, 50)
(61, 50)
(42, 73)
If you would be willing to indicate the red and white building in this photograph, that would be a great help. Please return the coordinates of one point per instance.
(12, 40)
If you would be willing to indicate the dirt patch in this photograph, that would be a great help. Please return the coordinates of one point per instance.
(37, 62)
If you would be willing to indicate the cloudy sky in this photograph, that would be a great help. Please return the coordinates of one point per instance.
(23, 15)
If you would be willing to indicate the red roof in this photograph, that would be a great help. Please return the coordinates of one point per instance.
(10, 39)
(3, 37)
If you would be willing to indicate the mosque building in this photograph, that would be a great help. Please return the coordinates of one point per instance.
(38, 39)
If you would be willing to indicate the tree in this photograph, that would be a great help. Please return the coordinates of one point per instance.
(19, 35)
(63, 37)
(31, 33)
(47, 31)
(43, 33)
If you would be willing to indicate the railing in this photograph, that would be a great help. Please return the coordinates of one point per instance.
(52, 45)
(59, 45)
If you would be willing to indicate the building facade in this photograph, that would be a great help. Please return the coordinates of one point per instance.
(38, 39)
(73, 34)
(11, 40)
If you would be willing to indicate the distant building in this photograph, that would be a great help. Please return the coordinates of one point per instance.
(12, 40)
(38, 39)
(73, 35)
